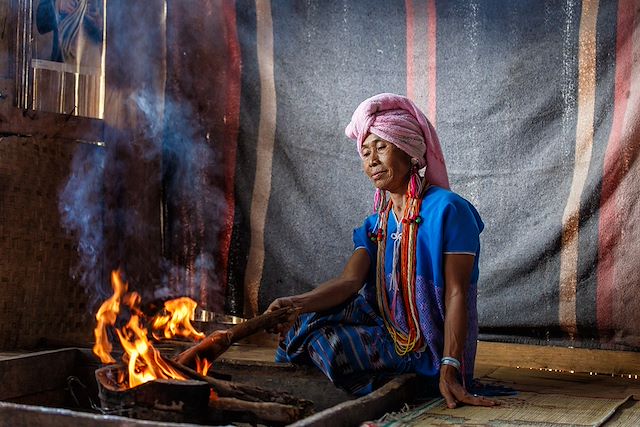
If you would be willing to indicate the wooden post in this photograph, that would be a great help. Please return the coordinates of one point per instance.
(135, 70)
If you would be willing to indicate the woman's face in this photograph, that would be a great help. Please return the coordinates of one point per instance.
(385, 164)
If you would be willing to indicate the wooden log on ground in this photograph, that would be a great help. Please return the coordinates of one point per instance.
(246, 392)
(225, 408)
(219, 341)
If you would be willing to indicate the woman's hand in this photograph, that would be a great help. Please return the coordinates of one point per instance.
(457, 273)
(455, 394)
(279, 303)
(327, 295)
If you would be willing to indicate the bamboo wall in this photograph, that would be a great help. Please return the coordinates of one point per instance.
(45, 298)
(40, 303)
(39, 300)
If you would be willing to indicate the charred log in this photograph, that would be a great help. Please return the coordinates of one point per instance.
(246, 392)
(218, 342)
(225, 408)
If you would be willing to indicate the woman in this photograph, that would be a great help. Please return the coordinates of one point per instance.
(406, 300)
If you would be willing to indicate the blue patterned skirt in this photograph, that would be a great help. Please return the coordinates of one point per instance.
(351, 346)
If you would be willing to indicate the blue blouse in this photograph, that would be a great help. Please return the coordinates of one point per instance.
(451, 225)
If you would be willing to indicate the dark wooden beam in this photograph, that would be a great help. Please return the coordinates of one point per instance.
(8, 18)
(552, 358)
(135, 68)
(19, 122)
(203, 86)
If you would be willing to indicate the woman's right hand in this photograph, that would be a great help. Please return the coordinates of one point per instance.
(284, 302)
(455, 394)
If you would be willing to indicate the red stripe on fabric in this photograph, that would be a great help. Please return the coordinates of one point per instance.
(609, 225)
(431, 52)
(410, 47)
(232, 124)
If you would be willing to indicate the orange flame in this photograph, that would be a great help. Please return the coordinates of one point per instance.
(106, 316)
(178, 321)
(143, 361)
(202, 365)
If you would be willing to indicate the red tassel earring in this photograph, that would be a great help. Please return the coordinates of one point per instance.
(379, 200)
(415, 181)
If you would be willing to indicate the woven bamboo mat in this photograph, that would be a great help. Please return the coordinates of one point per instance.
(545, 398)
(524, 409)
(628, 415)
(578, 384)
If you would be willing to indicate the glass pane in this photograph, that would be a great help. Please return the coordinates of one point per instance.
(63, 64)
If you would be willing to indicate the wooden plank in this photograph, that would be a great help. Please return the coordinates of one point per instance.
(12, 354)
(544, 381)
(200, 101)
(18, 122)
(491, 355)
(7, 30)
(558, 358)
(135, 75)
(482, 370)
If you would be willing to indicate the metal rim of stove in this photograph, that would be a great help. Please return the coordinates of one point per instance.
(201, 315)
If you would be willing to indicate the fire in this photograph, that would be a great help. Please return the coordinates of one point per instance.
(178, 321)
(143, 361)
(203, 365)
(106, 316)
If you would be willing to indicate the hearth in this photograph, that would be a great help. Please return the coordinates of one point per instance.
(59, 388)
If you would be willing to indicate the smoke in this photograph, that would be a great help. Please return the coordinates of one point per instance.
(193, 202)
(81, 207)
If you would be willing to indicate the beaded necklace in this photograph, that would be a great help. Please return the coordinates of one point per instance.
(403, 275)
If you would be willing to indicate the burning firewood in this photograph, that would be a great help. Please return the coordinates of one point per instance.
(260, 412)
(247, 392)
(187, 400)
(219, 341)
(255, 404)
(146, 377)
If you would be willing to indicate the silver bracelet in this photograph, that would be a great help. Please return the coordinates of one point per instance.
(452, 361)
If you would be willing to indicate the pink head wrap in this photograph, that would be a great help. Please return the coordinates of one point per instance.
(397, 119)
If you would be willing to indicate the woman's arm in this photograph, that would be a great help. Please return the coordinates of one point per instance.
(331, 293)
(457, 274)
